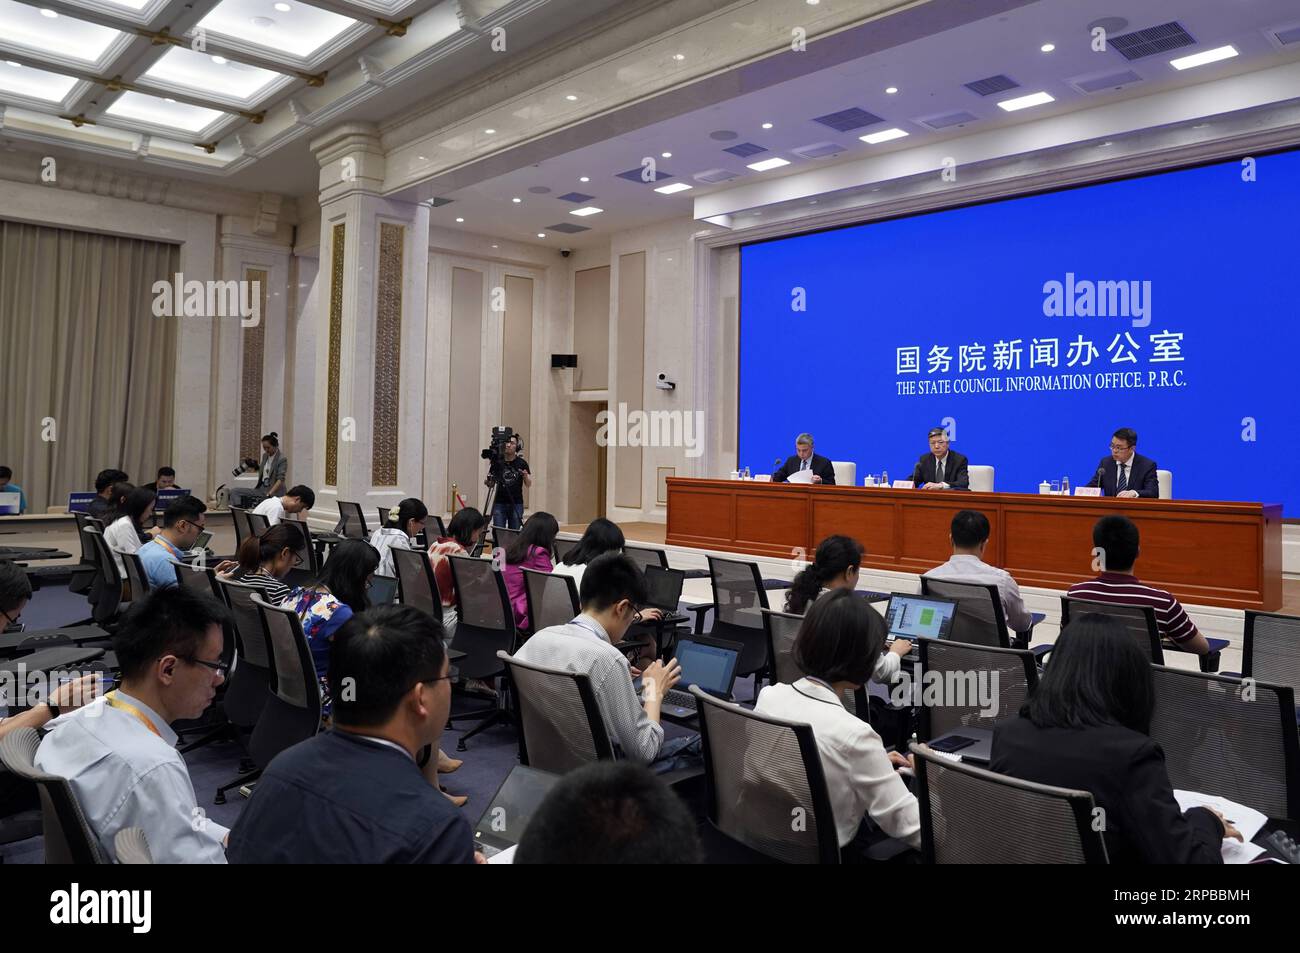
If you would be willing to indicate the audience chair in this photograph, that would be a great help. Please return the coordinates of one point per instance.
(68, 837)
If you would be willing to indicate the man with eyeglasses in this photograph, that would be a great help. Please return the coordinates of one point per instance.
(355, 794)
(1126, 473)
(183, 521)
(119, 752)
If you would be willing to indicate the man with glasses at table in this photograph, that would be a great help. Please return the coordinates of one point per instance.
(183, 521)
(119, 752)
(1126, 473)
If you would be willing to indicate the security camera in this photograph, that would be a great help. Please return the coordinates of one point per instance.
(565, 253)
(664, 382)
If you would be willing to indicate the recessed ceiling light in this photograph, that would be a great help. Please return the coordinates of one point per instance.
(46, 12)
(1047, 47)
(460, 220)
(1201, 125)
(774, 163)
(767, 125)
(421, 158)
(283, 7)
(263, 22)
(516, 200)
(1024, 102)
(169, 100)
(679, 56)
(813, 3)
(584, 178)
(1105, 144)
(885, 135)
(219, 60)
(496, 246)
(571, 98)
(674, 188)
(490, 131)
(588, 210)
(541, 234)
(1196, 59)
(665, 155)
(13, 64)
(891, 90)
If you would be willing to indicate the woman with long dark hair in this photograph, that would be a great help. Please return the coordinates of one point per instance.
(1087, 726)
(534, 548)
(836, 565)
(463, 534)
(124, 528)
(405, 521)
(601, 536)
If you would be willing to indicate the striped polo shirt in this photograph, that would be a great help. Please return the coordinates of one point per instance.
(1124, 589)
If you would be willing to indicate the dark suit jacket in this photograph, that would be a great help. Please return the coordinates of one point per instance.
(1141, 476)
(820, 466)
(1125, 772)
(954, 470)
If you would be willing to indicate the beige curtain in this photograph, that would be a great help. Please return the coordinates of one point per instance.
(86, 370)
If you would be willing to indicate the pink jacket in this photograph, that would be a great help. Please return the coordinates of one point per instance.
(538, 559)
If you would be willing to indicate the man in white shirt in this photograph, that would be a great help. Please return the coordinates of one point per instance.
(612, 587)
(970, 535)
(274, 508)
(119, 752)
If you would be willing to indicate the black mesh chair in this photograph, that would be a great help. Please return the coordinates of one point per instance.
(761, 773)
(383, 514)
(1139, 620)
(783, 629)
(239, 516)
(738, 603)
(980, 618)
(257, 523)
(416, 584)
(292, 711)
(646, 556)
(563, 547)
(251, 679)
(199, 578)
(438, 524)
(83, 577)
(132, 846)
(959, 666)
(68, 837)
(308, 557)
(1271, 648)
(136, 578)
(352, 522)
(1231, 737)
(109, 591)
(552, 598)
(485, 626)
(973, 816)
(560, 723)
(502, 537)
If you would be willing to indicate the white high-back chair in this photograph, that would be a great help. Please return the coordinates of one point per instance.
(846, 472)
(1166, 480)
(981, 478)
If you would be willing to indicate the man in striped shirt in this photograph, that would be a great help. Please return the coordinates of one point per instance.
(1117, 537)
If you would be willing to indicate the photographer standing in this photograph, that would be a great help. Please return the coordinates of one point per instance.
(510, 473)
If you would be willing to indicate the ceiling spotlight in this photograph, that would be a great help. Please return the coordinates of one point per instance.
(283, 7)
(460, 220)
(219, 60)
(541, 234)
(169, 100)
(665, 155)
(46, 12)
(571, 98)
(489, 131)
(1196, 59)
(1024, 102)
(813, 3)
(891, 90)
(679, 56)
(496, 246)
(1047, 47)
(885, 135)
(516, 200)
(13, 64)
(774, 163)
(767, 125)
(673, 189)
(584, 178)
(589, 210)
(421, 158)
(262, 22)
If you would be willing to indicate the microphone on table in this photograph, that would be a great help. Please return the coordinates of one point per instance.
(1101, 472)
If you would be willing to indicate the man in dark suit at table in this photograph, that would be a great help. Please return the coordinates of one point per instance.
(941, 468)
(1126, 472)
(805, 459)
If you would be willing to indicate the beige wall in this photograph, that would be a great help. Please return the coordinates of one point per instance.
(591, 328)
(464, 437)
(517, 357)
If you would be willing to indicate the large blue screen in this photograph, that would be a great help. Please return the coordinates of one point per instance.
(1034, 327)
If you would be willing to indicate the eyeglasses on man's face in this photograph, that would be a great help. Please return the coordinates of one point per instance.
(222, 668)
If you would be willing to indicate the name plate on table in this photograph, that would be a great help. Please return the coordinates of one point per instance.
(904, 484)
(1087, 491)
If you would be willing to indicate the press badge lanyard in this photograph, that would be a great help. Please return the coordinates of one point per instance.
(112, 699)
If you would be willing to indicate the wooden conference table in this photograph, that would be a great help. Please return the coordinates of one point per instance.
(1204, 552)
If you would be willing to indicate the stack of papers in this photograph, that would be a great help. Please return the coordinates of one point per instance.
(1245, 819)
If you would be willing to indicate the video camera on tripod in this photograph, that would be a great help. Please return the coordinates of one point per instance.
(495, 449)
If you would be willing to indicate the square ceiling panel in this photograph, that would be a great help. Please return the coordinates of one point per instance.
(182, 68)
(154, 111)
(300, 31)
(59, 38)
(32, 83)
